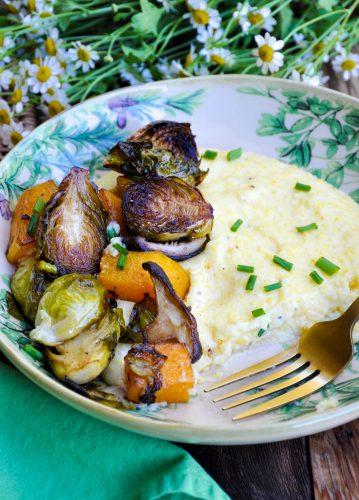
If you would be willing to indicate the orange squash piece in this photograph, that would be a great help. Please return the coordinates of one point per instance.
(22, 244)
(133, 282)
(112, 204)
(176, 376)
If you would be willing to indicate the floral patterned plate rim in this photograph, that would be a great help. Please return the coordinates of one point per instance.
(315, 128)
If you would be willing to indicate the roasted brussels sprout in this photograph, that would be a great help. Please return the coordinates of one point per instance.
(164, 209)
(176, 250)
(82, 358)
(142, 314)
(28, 284)
(103, 395)
(174, 321)
(70, 304)
(163, 148)
(73, 230)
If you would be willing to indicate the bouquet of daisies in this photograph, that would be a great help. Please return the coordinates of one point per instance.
(53, 54)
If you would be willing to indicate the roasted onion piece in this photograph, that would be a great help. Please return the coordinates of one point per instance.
(73, 229)
(176, 250)
(174, 321)
(165, 209)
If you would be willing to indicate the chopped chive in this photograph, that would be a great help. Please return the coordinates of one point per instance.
(236, 225)
(209, 154)
(121, 249)
(39, 206)
(326, 266)
(316, 277)
(251, 282)
(23, 341)
(245, 269)
(234, 154)
(121, 262)
(282, 263)
(30, 349)
(273, 286)
(258, 312)
(31, 228)
(111, 233)
(309, 227)
(302, 187)
(261, 332)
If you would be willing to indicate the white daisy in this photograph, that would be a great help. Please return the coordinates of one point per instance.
(171, 69)
(52, 42)
(268, 57)
(309, 77)
(5, 113)
(65, 60)
(55, 101)
(209, 36)
(247, 16)
(300, 40)
(44, 75)
(23, 68)
(136, 74)
(200, 70)
(347, 64)
(19, 98)
(13, 7)
(217, 55)
(167, 5)
(6, 43)
(5, 78)
(201, 15)
(83, 56)
(12, 134)
(191, 56)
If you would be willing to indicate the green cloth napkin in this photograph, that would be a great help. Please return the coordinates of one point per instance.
(51, 451)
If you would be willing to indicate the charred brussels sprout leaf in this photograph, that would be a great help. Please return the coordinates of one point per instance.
(28, 284)
(82, 358)
(176, 250)
(164, 209)
(174, 321)
(70, 304)
(95, 392)
(73, 230)
(142, 314)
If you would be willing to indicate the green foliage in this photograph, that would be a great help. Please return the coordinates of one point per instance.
(146, 21)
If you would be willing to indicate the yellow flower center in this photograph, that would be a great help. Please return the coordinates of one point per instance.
(1, 41)
(12, 83)
(50, 47)
(348, 64)
(318, 47)
(63, 64)
(83, 54)
(188, 60)
(43, 74)
(255, 17)
(15, 137)
(16, 96)
(45, 14)
(31, 5)
(200, 16)
(37, 61)
(11, 8)
(55, 107)
(51, 91)
(216, 59)
(265, 53)
(4, 117)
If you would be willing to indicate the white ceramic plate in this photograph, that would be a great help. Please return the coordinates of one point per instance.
(315, 128)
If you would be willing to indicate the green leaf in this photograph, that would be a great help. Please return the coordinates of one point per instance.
(137, 55)
(291, 138)
(301, 124)
(303, 154)
(335, 127)
(283, 152)
(331, 151)
(352, 162)
(348, 130)
(252, 91)
(343, 139)
(336, 178)
(317, 172)
(319, 109)
(352, 118)
(293, 93)
(64, 23)
(146, 21)
(355, 195)
(329, 142)
(271, 124)
(327, 4)
(298, 104)
(285, 18)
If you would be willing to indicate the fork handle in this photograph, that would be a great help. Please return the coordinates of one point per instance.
(351, 315)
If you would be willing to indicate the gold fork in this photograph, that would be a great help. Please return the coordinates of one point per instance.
(322, 353)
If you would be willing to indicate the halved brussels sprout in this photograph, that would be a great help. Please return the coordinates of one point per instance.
(142, 314)
(73, 230)
(70, 304)
(28, 284)
(82, 358)
(174, 321)
(106, 395)
(164, 209)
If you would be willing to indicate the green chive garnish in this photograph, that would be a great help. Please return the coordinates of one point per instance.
(234, 154)
(236, 225)
(111, 233)
(316, 277)
(258, 312)
(326, 266)
(245, 269)
(273, 286)
(302, 187)
(31, 228)
(251, 282)
(282, 263)
(120, 248)
(209, 154)
(261, 332)
(30, 349)
(121, 262)
(309, 227)
(39, 206)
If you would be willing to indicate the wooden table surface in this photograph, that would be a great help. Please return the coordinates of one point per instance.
(324, 466)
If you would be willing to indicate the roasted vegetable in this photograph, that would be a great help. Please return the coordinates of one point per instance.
(149, 380)
(133, 282)
(28, 284)
(176, 250)
(102, 394)
(82, 358)
(162, 209)
(174, 321)
(162, 148)
(22, 244)
(142, 314)
(70, 304)
(112, 204)
(73, 230)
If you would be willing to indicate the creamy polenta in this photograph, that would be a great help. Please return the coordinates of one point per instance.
(261, 192)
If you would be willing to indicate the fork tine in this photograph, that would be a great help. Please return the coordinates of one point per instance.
(274, 388)
(295, 365)
(257, 368)
(299, 392)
